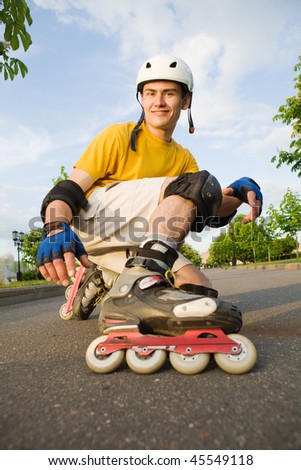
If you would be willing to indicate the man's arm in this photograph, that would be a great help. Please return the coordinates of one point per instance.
(61, 269)
(59, 210)
(231, 204)
(244, 190)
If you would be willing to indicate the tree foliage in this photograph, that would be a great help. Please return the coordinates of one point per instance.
(191, 254)
(281, 248)
(287, 219)
(62, 176)
(290, 114)
(30, 247)
(15, 16)
(262, 240)
(246, 243)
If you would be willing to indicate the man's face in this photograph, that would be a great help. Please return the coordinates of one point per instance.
(162, 102)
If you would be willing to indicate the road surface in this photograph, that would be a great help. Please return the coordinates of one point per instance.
(51, 400)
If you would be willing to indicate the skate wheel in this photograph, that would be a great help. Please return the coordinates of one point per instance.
(64, 314)
(189, 365)
(238, 363)
(68, 291)
(103, 364)
(145, 364)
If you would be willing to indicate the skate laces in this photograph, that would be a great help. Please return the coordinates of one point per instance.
(100, 294)
(93, 294)
(170, 277)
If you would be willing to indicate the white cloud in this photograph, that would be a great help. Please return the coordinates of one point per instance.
(223, 42)
(270, 142)
(14, 217)
(249, 31)
(20, 145)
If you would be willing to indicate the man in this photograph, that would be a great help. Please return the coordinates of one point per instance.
(135, 186)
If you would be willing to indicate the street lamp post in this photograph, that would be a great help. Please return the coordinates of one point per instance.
(18, 238)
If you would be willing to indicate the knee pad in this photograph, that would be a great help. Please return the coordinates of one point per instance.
(203, 190)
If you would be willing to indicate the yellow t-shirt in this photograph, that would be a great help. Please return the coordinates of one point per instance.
(109, 157)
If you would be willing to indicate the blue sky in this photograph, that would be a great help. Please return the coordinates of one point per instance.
(82, 70)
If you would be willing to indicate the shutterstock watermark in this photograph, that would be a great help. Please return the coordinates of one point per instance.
(134, 231)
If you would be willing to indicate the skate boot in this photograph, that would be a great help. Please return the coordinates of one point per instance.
(145, 316)
(144, 298)
(96, 284)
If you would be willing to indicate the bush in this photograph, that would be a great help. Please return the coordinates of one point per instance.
(31, 275)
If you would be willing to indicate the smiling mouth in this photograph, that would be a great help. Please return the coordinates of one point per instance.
(160, 111)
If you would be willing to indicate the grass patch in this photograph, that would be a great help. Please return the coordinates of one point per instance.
(24, 284)
(280, 261)
(269, 263)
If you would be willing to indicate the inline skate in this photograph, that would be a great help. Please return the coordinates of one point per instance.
(86, 292)
(145, 316)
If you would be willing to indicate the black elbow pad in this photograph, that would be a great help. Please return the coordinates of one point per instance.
(69, 192)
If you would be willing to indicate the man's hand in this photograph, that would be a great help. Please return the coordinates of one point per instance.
(57, 252)
(247, 190)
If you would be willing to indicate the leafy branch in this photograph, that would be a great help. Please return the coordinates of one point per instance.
(14, 15)
(290, 114)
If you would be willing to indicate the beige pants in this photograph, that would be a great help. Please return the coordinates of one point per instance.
(116, 219)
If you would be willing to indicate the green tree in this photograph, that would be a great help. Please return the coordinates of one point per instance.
(287, 219)
(247, 243)
(63, 176)
(251, 240)
(220, 251)
(290, 114)
(282, 248)
(191, 254)
(30, 247)
(14, 15)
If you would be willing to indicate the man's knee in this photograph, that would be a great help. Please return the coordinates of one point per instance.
(202, 189)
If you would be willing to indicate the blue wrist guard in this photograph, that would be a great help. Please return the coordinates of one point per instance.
(57, 245)
(241, 188)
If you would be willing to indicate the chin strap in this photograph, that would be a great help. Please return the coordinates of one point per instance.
(190, 122)
(135, 132)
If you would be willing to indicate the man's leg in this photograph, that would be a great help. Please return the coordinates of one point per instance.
(169, 218)
(173, 218)
(107, 229)
(190, 274)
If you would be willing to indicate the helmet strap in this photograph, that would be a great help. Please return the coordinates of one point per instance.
(190, 121)
(135, 132)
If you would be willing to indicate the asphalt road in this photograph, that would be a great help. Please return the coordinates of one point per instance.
(51, 400)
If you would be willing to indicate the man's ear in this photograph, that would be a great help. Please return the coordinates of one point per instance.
(186, 101)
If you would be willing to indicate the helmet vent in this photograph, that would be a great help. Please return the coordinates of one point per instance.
(173, 65)
(148, 65)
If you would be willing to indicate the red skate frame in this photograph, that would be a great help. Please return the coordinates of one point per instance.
(78, 276)
(190, 343)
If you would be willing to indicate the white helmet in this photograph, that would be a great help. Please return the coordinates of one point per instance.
(165, 67)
